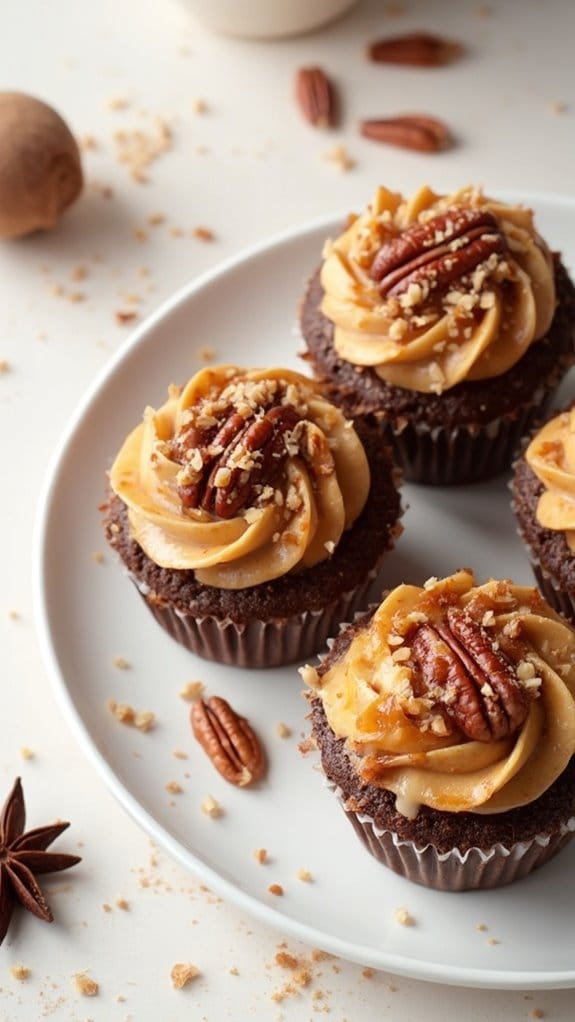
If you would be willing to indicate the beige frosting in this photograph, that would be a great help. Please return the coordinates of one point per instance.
(405, 743)
(429, 340)
(293, 523)
(551, 455)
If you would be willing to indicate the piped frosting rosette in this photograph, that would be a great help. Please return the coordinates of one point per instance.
(434, 290)
(456, 696)
(241, 476)
(551, 455)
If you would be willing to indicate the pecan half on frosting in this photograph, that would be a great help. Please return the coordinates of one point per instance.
(438, 252)
(236, 457)
(461, 670)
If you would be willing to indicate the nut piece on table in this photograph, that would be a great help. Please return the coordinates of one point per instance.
(410, 131)
(417, 49)
(228, 740)
(315, 96)
(40, 166)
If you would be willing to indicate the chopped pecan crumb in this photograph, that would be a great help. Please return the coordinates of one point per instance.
(85, 985)
(183, 973)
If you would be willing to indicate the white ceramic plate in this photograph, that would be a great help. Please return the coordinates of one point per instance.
(89, 614)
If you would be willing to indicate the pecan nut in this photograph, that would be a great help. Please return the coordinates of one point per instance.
(242, 455)
(471, 681)
(315, 96)
(228, 740)
(421, 132)
(437, 252)
(418, 49)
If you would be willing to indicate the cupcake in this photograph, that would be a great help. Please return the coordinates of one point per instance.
(445, 720)
(251, 515)
(446, 320)
(543, 488)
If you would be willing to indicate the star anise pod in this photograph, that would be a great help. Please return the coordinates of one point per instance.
(22, 856)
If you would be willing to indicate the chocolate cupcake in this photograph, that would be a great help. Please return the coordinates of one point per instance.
(543, 488)
(447, 321)
(445, 720)
(251, 515)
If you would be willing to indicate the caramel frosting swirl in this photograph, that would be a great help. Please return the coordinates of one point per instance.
(551, 455)
(415, 738)
(242, 476)
(459, 304)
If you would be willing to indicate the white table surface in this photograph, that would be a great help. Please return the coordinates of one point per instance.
(246, 167)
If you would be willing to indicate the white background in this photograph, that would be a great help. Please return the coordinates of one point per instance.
(246, 168)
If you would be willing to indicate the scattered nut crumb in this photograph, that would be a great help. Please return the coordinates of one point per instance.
(79, 273)
(182, 974)
(339, 156)
(286, 960)
(404, 918)
(305, 876)
(367, 973)
(125, 714)
(492, 941)
(234, 971)
(174, 788)
(179, 754)
(4, 366)
(192, 690)
(85, 985)
(106, 907)
(261, 855)
(122, 904)
(282, 730)
(199, 106)
(211, 807)
(155, 219)
(117, 103)
(123, 316)
(98, 557)
(14, 615)
(88, 143)
(537, 1013)
(558, 107)
(481, 927)
(276, 889)
(206, 354)
(203, 234)
(121, 663)
(26, 753)
(138, 149)
(21, 972)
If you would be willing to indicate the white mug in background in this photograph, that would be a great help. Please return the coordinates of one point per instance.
(266, 19)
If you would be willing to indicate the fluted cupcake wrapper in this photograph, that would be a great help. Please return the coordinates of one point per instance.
(449, 456)
(260, 644)
(455, 870)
